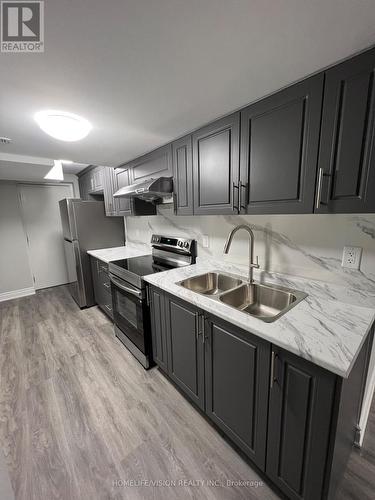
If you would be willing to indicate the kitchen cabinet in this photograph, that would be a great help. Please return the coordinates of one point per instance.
(98, 181)
(122, 178)
(216, 166)
(156, 299)
(102, 285)
(300, 412)
(184, 329)
(158, 163)
(237, 368)
(346, 181)
(295, 420)
(183, 176)
(91, 182)
(279, 150)
(108, 185)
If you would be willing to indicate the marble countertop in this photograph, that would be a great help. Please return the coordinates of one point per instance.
(117, 253)
(328, 328)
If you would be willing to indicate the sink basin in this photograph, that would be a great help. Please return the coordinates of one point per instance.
(266, 302)
(212, 283)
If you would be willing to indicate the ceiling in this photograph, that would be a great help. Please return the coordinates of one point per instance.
(145, 72)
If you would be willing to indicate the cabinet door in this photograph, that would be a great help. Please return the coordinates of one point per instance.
(98, 178)
(237, 380)
(158, 163)
(216, 167)
(122, 178)
(185, 347)
(299, 424)
(183, 176)
(279, 150)
(158, 328)
(346, 181)
(108, 182)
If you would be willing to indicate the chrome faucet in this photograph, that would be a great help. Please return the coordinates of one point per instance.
(228, 243)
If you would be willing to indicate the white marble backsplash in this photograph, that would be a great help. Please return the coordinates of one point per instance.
(309, 246)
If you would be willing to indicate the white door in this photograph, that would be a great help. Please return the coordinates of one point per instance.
(41, 218)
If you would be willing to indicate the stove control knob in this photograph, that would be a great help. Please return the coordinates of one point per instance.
(186, 244)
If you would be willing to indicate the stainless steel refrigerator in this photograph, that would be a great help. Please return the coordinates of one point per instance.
(86, 227)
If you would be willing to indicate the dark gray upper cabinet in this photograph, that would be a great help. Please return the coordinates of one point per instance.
(237, 374)
(97, 179)
(122, 178)
(299, 430)
(158, 328)
(108, 182)
(346, 181)
(185, 347)
(216, 166)
(158, 163)
(279, 150)
(183, 176)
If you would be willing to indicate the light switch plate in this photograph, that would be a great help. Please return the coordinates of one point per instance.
(205, 241)
(351, 257)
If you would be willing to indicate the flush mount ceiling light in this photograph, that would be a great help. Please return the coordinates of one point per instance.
(56, 173)
(62, 125)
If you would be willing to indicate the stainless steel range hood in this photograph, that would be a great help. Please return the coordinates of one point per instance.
(150, 190)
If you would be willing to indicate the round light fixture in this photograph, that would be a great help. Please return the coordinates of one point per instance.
(62, 125)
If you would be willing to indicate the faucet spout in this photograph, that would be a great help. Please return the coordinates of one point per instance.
(228, 244)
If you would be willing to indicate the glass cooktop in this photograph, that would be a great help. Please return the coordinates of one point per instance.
(141, 266)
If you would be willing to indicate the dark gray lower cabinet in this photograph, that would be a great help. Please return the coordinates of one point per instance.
(158, 327)
(237, 367)
(299, 425)
(294, 420)
(102, 285)
(184, 328)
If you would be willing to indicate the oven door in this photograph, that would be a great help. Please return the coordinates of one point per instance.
(130, 312)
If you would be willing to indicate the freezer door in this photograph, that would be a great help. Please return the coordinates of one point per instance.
(75, 275)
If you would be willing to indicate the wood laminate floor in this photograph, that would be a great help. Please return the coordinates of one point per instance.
(81, 419)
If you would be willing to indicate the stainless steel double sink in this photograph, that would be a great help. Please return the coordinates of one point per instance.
(264, 301)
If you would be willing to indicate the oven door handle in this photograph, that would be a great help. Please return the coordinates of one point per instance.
(133, 291)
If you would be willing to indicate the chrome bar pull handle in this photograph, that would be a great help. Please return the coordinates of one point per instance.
(234, 187)
(319, 190)
(272, 374)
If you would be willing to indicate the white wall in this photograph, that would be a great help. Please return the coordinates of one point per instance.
(303, 245)
(15, 274)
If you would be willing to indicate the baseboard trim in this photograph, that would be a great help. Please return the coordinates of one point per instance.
(16, 294)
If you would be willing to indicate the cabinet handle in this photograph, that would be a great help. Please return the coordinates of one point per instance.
(319, 190)
(199, 327)
(108, 307)
(240, 194)
(148, 296)
(272, 374)
(233, 205)
(107, 285)
(175, 203)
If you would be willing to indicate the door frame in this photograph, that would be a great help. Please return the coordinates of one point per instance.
(20, 208)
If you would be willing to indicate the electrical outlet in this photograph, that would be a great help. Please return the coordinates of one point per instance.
(205, 241)
(351, 257)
